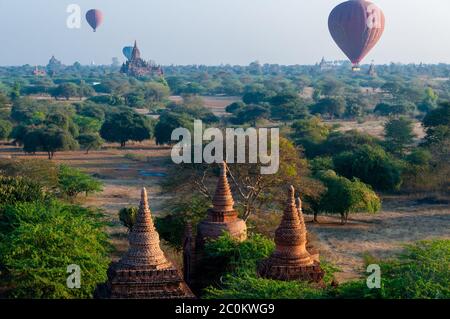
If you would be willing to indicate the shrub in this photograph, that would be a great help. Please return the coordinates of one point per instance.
(127, 217)
(345, 196)
(72, 182)
(39, 241)
(171, 227)
(240, 281)
(372, 165)
(420, 272)
(18, 189)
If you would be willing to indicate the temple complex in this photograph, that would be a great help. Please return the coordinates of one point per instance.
(144, 272)
(291, 259)
(221, 218)
(137, 67)
(54, 66)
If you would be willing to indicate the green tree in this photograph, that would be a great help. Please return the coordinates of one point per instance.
(40, 240)
(372, 165)
(345, 196)
(124, 126)
(66, 90)
(5, 129)
(310, 134)
(168, 122)
(48, 139)
(250, 114)
(127, 217)
(331, 107)
(399, 135)
(72, 182)
(437, 124)
(90, 141)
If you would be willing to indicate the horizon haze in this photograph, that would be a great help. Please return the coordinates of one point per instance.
(214, 32)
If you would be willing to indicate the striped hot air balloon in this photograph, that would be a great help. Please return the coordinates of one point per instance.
(95, 18)
(356, 26)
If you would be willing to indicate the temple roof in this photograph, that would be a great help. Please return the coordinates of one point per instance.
(145, 250)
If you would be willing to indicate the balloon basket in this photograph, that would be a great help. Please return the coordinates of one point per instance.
(356, 68)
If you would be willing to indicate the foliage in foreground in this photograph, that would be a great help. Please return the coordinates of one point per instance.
(421, 271)
(39, 240)
(240, 280)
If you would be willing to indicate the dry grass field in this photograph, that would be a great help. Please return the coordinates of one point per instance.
(374, 127)
(216, 104)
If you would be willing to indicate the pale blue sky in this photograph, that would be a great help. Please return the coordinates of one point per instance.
(214, 31)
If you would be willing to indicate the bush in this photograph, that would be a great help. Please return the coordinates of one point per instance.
(171, 227)
(345, 196)
(420, 272)
(372, 165)
(18, 189)
(39, 171)
(39, 241)
(5, 129)
(127, 217)
(238, 262)
(72, 182)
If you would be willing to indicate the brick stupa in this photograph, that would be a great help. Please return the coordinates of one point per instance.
(222, 217)
(291, 260)
(144, 272)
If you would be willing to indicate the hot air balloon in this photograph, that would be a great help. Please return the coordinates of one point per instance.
(127, 52)
(95, 18)
(356, 26)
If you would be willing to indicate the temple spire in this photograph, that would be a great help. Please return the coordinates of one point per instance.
(144, 248)
(136, 54)
(291, 260)
(223, 198)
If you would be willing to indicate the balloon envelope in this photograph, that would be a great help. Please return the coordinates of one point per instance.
(127, 52)
(356, 26)
(95, 18)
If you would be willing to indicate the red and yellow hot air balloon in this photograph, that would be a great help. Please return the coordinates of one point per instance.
(356, 26)
(95, 18)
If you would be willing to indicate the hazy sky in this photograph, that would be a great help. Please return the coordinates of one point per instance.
(214, 31)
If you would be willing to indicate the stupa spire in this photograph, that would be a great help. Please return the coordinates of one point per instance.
(223, 199)
(143, 272)
(145, 250)
(291, 260)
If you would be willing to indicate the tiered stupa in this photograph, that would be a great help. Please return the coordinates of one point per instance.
(144, 271)
(291, 260)
(222, 217)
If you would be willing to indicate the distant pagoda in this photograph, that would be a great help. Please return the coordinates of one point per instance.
(137, 67)
(144, 271)
(372, 71)
(54, 66)
(291, 259)
(38, 72)
(221, 219)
